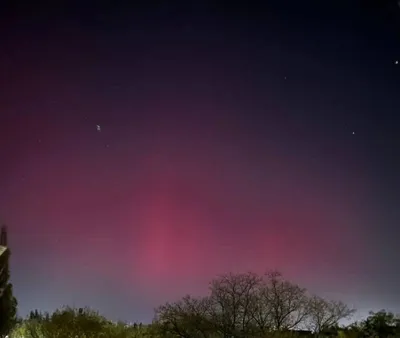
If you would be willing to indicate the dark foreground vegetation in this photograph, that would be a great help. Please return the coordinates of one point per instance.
(238, 305)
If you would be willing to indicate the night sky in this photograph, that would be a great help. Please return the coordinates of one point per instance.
(232, 138)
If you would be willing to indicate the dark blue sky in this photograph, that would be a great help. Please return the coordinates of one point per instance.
(233, 137)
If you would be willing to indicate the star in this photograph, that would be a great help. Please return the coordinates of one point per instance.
(396, 62)
(353, 133)
(98, 127)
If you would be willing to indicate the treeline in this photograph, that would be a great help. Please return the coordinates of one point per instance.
(238, 305)
(248, 305)
(69, 322)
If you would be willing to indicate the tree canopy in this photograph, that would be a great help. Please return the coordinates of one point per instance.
(248, 305)
(8, 303)
(243, 305)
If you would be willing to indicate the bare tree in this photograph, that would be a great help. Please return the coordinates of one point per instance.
(234, 298)
(261, 310)
(324, 314)
(246, 305)
(286, 303)
(186, 318)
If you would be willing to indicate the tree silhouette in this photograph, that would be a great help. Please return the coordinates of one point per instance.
(381, 324)
(324, 315)
(8, 303)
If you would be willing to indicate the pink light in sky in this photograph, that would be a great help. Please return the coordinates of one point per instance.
(168, 212)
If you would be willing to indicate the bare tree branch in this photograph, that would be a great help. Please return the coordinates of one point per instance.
(287, 302)
(233, 297)
(186, 318)
(324, 314)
